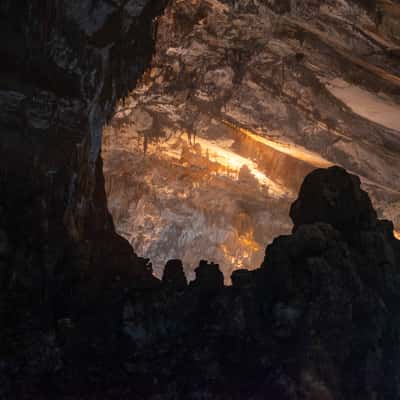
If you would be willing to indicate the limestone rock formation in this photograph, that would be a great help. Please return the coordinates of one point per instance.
(318, 320)
(280, 87)
(64, 66)
(82, 317)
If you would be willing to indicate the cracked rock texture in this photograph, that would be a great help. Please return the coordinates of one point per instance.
(280, 87)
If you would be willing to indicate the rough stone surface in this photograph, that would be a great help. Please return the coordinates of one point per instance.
(318, 320)
(81, 316)
(280, 87)
(64, 65)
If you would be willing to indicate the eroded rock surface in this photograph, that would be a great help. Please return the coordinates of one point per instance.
(64, 65)
(280, 87)
(80, 315)
(318, 320)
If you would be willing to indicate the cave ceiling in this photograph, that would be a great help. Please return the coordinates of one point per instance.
(243, 99)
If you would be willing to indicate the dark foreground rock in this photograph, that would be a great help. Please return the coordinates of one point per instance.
(319, 320)
(64, 65)
(334, 198)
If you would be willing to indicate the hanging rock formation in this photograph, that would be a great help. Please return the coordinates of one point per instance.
(278, 87)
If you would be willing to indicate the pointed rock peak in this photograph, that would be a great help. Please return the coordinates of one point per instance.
(335, 197)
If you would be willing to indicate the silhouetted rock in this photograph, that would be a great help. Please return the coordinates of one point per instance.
(333, 196)
(67, 65)
(242, 278)
(174, 276)
(335, 293)
(208, 276)
(320, 318)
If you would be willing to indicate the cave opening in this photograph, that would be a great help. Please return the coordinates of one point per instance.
(241, 101)
(191, 198)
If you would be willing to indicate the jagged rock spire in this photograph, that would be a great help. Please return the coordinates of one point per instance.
(174, 276)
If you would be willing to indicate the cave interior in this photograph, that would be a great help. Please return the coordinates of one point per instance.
(200, 199)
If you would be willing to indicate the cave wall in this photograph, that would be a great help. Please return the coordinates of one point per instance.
(318, 320)
(64, 65)
(285, 82)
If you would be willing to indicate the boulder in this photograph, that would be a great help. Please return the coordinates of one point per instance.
(333, 196)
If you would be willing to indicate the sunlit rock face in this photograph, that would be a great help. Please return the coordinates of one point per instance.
(243, 99)
(193, 201)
